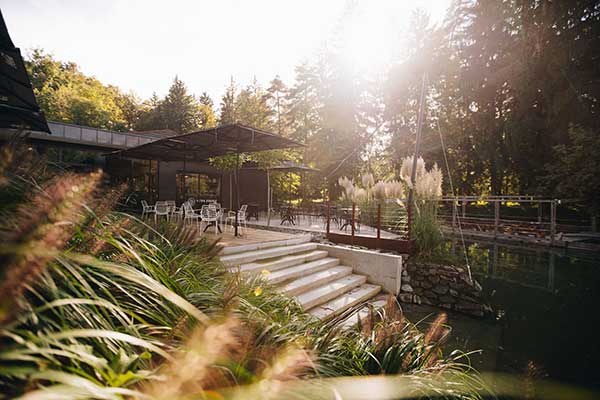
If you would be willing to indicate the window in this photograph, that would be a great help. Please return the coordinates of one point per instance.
(198, 186)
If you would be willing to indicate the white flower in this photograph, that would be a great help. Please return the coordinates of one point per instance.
(360, 194)
(406, 169)
(379, 190)
(344, 182)
(395, 189)
(368, 181)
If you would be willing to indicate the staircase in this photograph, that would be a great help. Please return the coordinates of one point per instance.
(320, 284)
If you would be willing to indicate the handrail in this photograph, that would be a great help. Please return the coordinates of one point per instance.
(71, 133)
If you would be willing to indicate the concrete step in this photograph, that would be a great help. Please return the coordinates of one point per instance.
(301, 270)
(329, 291)
(281, 262)
(229, 250)
(343, 302)
(315, 280)
(233, 260)
(362, 313)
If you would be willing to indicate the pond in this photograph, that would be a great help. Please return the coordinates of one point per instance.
(547, 317)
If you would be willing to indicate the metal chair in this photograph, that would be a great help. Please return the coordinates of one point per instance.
(190, 215)
(241, 218)
(161, 208)
(178, 212)
(146, 209)
(210, 215)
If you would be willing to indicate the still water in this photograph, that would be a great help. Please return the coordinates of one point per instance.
(547, 312)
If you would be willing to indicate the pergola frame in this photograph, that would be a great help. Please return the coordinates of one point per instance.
(208, 143)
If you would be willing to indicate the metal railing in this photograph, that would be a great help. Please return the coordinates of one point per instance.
(380, 225)
(69, 133)
(495, 225)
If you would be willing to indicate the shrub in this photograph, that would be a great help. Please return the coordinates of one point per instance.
(98, 304)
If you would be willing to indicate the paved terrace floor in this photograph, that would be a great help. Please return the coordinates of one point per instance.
(316, 225)
(249, 236)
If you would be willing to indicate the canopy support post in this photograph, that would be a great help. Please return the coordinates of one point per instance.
(237, 190)
(268, 198)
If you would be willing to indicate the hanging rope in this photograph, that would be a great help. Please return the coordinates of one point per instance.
(454, 196)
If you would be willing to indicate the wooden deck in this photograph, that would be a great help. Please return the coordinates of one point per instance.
(250, 236)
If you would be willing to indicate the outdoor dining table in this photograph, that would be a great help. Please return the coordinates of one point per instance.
(253, 211)
(346, 216)
(288, 215)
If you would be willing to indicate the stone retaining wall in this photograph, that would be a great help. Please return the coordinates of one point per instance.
(443, 286)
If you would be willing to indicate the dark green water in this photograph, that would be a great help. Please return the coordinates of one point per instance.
(547, 308)
(547, 313)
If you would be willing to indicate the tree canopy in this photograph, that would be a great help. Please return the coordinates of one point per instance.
(513, 89)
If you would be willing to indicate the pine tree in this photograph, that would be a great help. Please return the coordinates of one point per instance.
(206, 100)
(180, 110)
(252, 108)
(228, 107)
(276, 96)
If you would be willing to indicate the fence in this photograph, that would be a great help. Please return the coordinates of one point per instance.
(542, 226)
(83, 135)
(381, 225)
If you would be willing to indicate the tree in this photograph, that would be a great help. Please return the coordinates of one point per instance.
(573, 173)
(251, 107)
(205, 100)
(180, 110)
(275, 97)
(151, 115)
(65, 94)
(131, 109)
(228, 105)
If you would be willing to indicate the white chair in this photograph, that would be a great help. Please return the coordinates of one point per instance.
(146, 209)
(178, 212)
(210, 215)
(190, 215)
(241, 217)
(161, 208)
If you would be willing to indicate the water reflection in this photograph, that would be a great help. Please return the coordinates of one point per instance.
(546, 310)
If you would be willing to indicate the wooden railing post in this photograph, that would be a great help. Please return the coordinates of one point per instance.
(409, 218)
(352, 221)
(552, 221)
(496, 217)
(328, 220)
(378, 221)
(454, 209)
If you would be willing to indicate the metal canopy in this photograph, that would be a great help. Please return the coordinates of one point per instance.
(285, 166)
(204, 144)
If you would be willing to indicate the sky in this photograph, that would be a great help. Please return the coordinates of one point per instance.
(140, 45)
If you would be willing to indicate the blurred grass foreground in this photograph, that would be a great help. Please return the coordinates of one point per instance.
(96, 303)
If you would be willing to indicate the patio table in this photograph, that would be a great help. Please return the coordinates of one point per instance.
(253, 211)
(287, 215)
(346, 216)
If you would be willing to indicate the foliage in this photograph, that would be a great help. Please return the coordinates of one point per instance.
(574, 174)
(178, 111)
(427, 189)
(65, 94)
(112, 307)
(505, 82)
